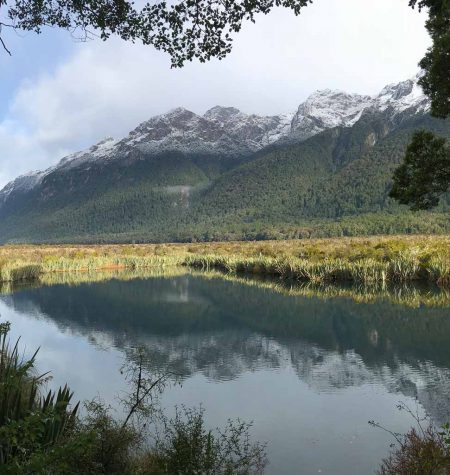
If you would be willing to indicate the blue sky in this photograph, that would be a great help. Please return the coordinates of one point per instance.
(33, 55)
(58, 96)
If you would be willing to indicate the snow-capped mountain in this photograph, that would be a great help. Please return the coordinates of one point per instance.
(221, 130)
(407, 95)
(228, 132)
(331, 108)
(327, 109)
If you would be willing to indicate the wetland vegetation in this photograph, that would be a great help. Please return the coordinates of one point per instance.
(374, 260)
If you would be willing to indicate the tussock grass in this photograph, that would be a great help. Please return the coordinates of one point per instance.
(363, 271)
(368, 261)
(16, 271)
(27, 263)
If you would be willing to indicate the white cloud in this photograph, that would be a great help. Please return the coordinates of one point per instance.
(19, 151)
(106, 89)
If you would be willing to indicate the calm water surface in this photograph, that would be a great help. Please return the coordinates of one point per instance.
(309, 372)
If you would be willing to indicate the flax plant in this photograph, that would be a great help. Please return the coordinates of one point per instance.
(29, 420)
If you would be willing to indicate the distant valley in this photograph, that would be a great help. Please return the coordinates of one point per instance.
(323, 170)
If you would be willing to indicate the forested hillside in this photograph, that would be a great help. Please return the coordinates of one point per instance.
(336, 182)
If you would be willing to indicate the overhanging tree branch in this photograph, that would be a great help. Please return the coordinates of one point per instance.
(186, 29)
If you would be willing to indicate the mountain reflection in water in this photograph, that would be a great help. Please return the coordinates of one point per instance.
(222, 330)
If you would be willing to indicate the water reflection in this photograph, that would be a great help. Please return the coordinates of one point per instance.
(247, 348)
(223, 329)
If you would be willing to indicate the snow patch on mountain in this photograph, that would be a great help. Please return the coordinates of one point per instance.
(22, 183)
(228, 131)
(403, 96)
(330, 108)
(96, 152)
(327, 109)
(221, 130)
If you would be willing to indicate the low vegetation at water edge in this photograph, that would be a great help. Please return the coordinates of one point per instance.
(360, 260)
(46, 434)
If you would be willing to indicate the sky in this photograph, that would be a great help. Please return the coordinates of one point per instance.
(58, 96)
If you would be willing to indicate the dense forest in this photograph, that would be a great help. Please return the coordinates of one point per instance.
(334, 184)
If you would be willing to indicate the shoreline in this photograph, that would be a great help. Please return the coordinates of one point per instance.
(368, 261)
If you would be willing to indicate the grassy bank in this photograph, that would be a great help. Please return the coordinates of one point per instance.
(368, 261)
(26, 263)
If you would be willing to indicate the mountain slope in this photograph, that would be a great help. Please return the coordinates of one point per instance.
(231, 175)
(335, 174)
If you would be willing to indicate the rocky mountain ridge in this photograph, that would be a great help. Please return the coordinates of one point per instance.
(228, 132)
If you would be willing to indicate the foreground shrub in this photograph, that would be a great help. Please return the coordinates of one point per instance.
(424, 450)
(419, 452)
(30, 423)
(186, 447)
(42, 434)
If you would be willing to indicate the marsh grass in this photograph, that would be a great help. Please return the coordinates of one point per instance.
(398, 269)
(16, 270)
(368, 261)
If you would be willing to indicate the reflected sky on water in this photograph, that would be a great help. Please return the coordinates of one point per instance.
(309, 372)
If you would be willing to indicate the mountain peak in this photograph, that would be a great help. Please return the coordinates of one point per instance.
(334, 93)
(177, 112)
(328, 108)
(402, 96)
(221, 113)
(227, 131)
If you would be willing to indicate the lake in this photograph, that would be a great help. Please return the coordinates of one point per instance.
(309, 371)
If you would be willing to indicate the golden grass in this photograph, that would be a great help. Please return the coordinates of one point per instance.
(363, 260)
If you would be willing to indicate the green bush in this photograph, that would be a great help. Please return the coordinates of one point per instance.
(187, 447)
(42, 434)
